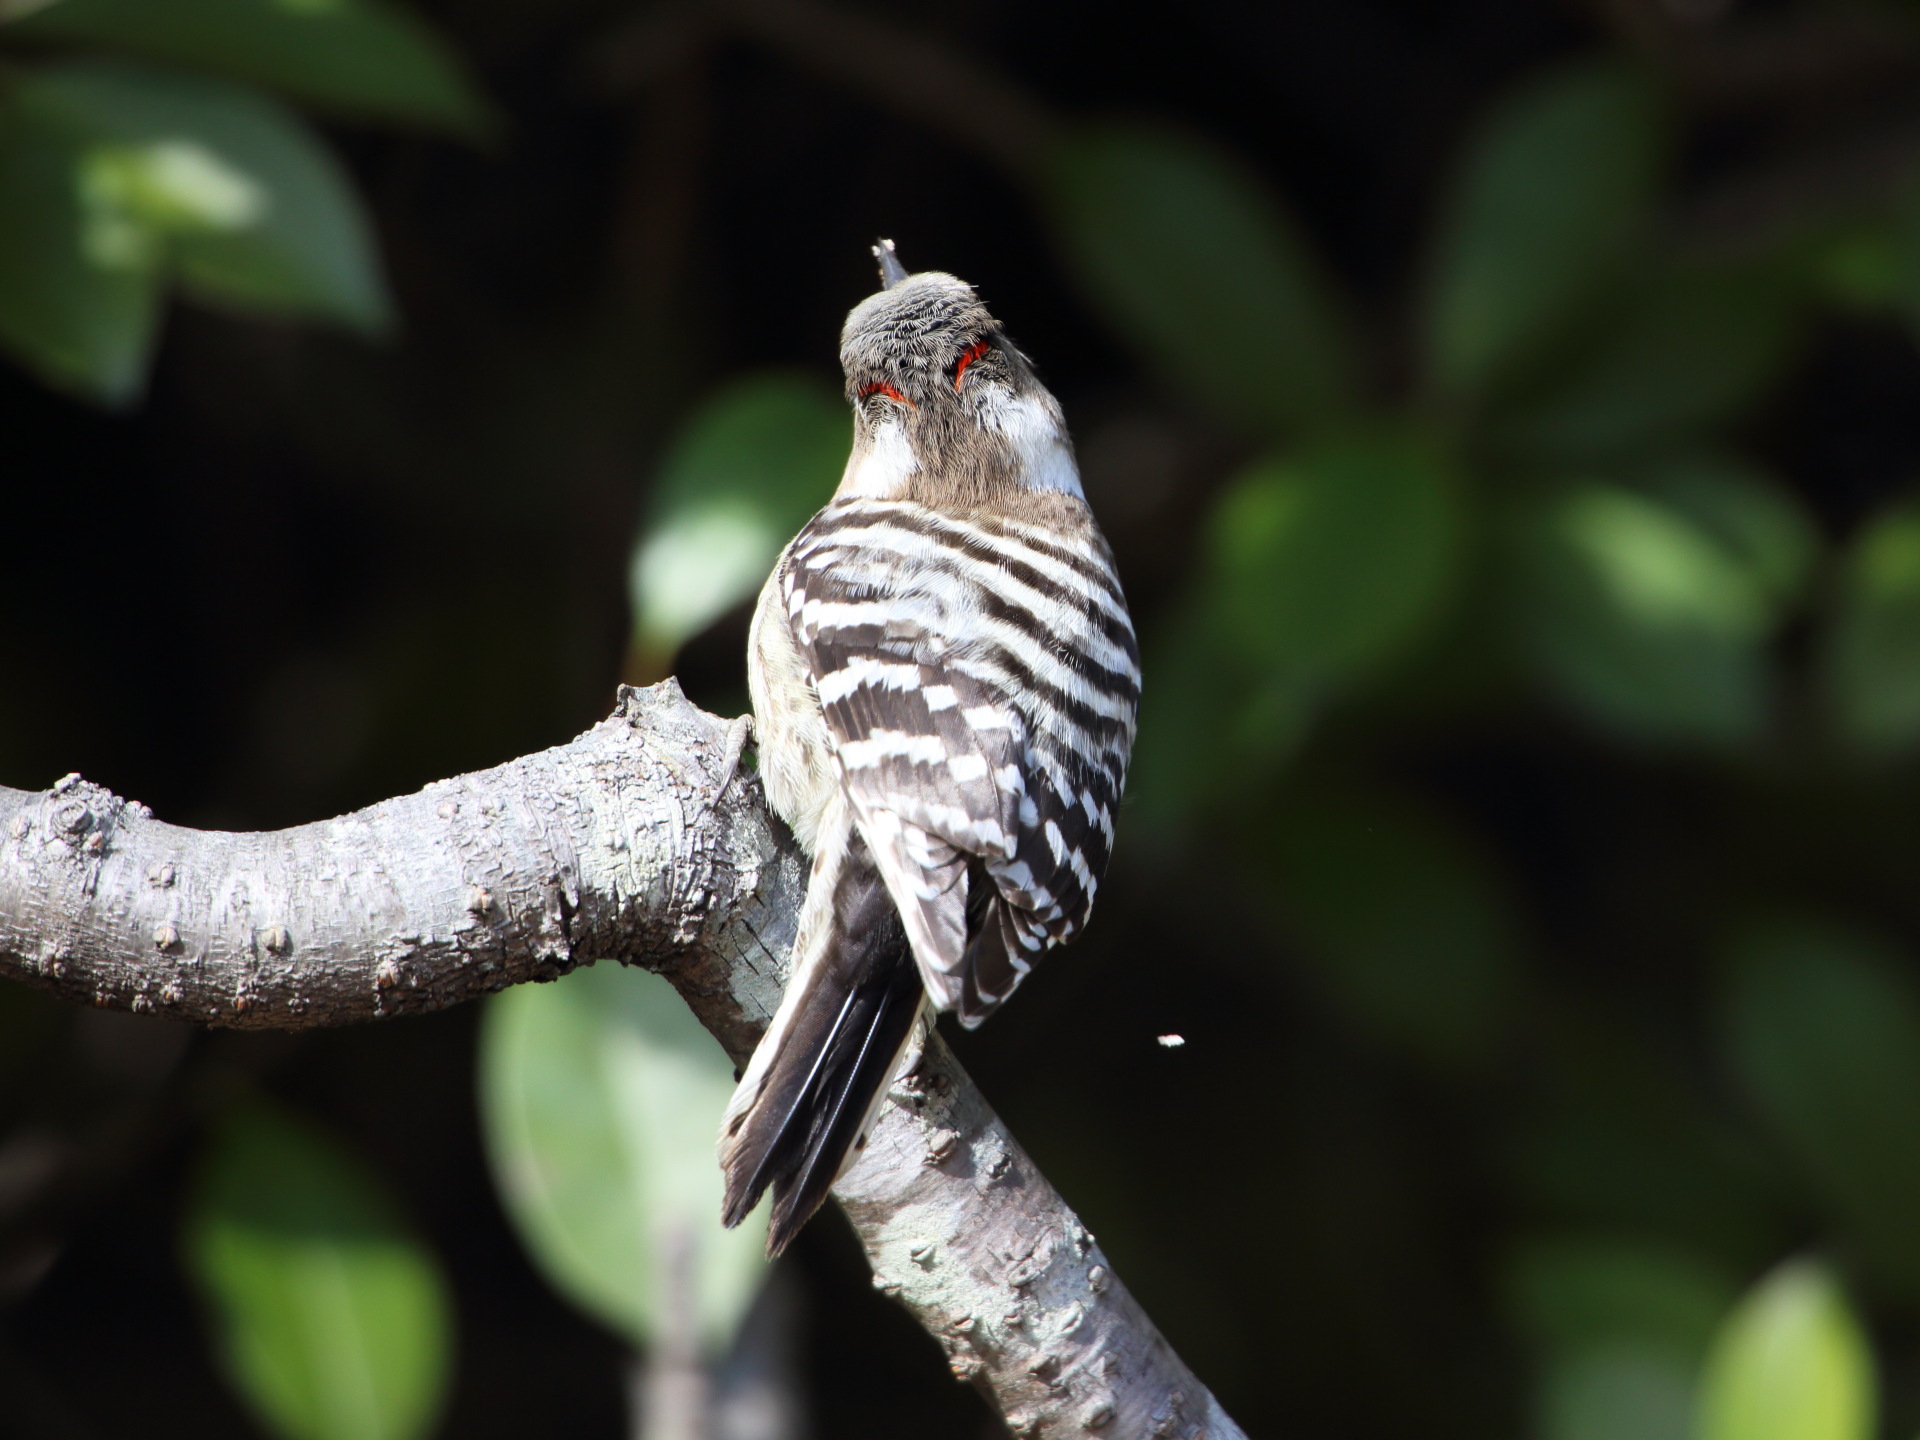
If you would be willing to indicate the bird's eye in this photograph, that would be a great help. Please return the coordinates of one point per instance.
(972, 353)
(881, 387)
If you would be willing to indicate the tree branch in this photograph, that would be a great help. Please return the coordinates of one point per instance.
(630, 843)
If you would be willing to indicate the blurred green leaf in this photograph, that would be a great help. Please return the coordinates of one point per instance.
(1689, 348)
(1575, 1292)
(744, 474)
(211, 184)
(359, 57)
(1323, 567)
(1822, 1027)
(331, 1318)
(1791, 1363)
(1617, 1392)
(1316, 572)
(84, 321)
(1872, 652)
(1407, 928)
(1205, 722)
(1649, 607)
(1622, 1326)
(602, 1097)
(1191, 258)
(1556, 188)
(1748, 513)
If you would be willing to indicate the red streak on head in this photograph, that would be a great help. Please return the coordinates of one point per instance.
(881, 387)
(973, 353)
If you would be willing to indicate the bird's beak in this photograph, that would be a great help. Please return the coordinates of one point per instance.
(892, 272)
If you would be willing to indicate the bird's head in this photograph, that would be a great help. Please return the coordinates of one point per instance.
(946, 410)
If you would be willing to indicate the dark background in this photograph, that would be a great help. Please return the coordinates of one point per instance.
(309, 573)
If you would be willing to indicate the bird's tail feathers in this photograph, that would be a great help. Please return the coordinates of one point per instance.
(813, 1087)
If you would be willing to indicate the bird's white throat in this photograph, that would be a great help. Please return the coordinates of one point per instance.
(880, 471)
(1042, 458)
(1036, 446)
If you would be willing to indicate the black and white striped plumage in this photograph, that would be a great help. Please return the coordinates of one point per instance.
(945, 681)
(979, 678)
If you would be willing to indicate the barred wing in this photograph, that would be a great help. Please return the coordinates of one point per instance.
(980, 680)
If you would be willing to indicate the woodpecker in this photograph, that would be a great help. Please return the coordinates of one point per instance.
(945, 681)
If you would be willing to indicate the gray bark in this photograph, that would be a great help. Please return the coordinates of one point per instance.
(673, 1393)
(632, 843)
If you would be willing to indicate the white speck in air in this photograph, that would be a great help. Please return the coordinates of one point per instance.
(1172, 1042)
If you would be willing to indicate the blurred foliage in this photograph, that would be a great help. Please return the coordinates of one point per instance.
(1689, 347)
(1517, 495)
(1316, 570)
(1405, 925)
(1319, 569)
(602, 1096)
(746, 471)
(1650, 606)
(1790, 1363)
(1620, 1139)
(1195, 262)
(1823, 1030)
(119, 181)
(1553, 193)
(356, 57)
(1572, 1293)
(332, 1319)
(1873, 656)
